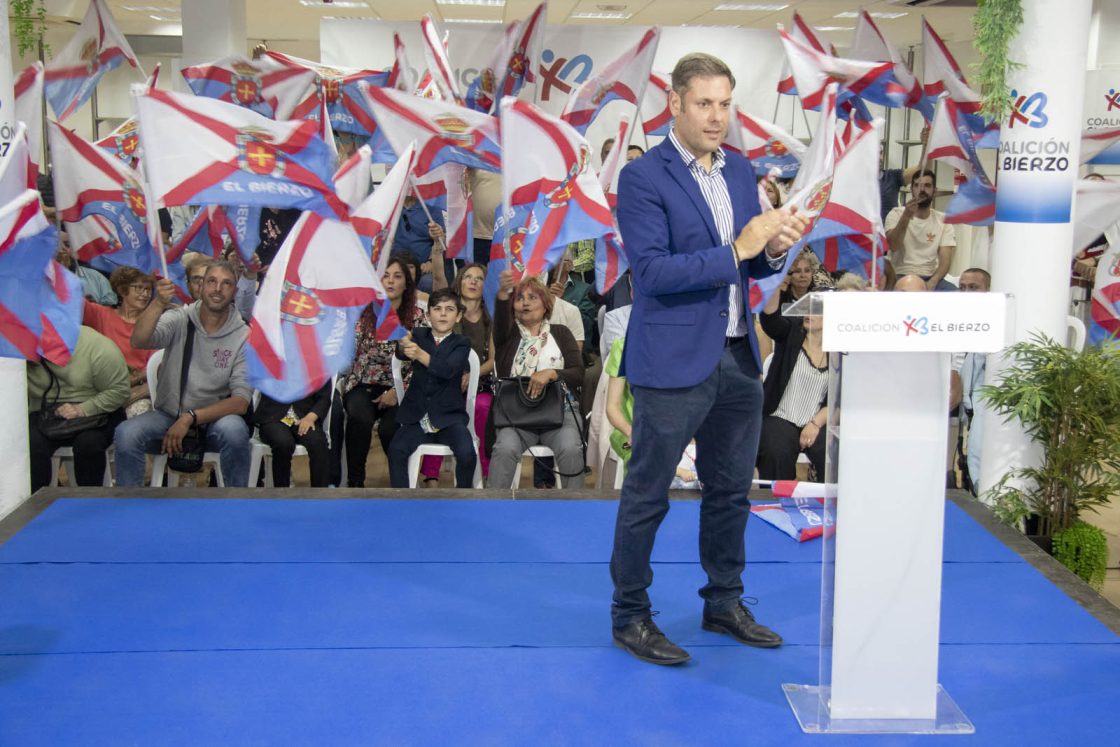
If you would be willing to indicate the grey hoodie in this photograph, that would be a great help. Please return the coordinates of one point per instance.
(218, 368)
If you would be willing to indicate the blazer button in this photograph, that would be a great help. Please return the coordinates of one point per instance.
(723, 313)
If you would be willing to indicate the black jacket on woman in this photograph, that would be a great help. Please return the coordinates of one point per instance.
(788, 334)
(268, 410)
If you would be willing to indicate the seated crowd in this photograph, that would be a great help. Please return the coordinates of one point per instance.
(150, 376)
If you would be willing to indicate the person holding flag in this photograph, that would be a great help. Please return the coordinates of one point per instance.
(689, 216)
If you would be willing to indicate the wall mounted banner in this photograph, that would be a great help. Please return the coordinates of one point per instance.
(1102, 109)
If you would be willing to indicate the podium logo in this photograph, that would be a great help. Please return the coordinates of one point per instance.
(916, 325)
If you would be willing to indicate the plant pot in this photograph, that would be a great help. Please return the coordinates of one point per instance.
(1045, 542)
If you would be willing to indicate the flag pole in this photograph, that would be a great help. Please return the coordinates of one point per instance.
(151, 210)
(424, 207)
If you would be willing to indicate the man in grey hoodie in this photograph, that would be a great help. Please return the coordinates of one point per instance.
(217, 394)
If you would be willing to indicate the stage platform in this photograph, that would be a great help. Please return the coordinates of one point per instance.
(376, 617)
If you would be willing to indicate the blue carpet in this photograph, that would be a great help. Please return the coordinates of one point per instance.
(1019, 696)
(171, 607)
(112, 530)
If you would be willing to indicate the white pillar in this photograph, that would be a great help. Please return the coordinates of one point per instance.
(15, 477)
(213, 29)
(1037, 167)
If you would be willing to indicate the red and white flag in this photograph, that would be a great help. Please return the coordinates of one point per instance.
(623, 78)
(435, 54)
(870, 44)
(1100, 146)
(520, 70)
(17, 171)
(266, 85)
(441, 130)
(480, 92)
(767, 146)
(29, 109)
(401, 76)
(97, 47)
(806, 34)
(1096, 210)
(813, 70)
(375, 219)
(353, 181)
(655, 114)
(942, 74)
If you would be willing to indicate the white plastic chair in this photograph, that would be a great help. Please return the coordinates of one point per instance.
(65, 455)
(424, 450)
(159, 461)
(260, 453)
(534, 451)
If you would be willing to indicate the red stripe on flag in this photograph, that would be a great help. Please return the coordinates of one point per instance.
(312, 359)
(18, 334)
(264, 351)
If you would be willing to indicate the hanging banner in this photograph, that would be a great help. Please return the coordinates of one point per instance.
(1102, 109)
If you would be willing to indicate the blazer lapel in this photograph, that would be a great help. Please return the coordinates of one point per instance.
(676, 168)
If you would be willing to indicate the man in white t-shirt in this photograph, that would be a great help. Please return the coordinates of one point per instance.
(921, 243)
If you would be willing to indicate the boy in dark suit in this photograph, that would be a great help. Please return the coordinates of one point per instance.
(434, 409)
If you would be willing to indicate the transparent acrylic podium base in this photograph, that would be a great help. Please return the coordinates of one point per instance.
(809, 704)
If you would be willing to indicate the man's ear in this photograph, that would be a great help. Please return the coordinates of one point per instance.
(674, 103)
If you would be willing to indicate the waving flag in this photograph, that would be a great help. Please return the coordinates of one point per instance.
(29, 110)
(446, 193)
(498, 261)
(610, 259)
(1104, 322)
(124, 143)
(353, 181)
(61, 302)
(480, 92)
(953, 138)
(1097, 210)
(810, 192)
(521, 67)
(814, 70)
(207, 233)
(861, 254)
(942, 74)
(301, 333)
(401, 76)
(97, 47)
(657, 119)
(27, 246)
(266, 86)
(1100, 147)
(551, 189)
(869, 44)
(375, 220)
(17, 172)
(809, 36)
(767, 146)
(443, 132)
(621, 79)
(435, 54)
(90, 183)
(206, 152)
(337, 90)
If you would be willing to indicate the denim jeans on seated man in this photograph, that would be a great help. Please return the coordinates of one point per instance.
(143, 434)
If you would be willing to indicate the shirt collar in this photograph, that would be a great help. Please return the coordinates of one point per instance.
(691, 161)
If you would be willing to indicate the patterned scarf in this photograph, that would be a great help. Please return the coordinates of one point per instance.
(536, 352)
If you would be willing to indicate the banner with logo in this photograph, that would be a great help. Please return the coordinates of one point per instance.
(914, 322)
(1102, 109)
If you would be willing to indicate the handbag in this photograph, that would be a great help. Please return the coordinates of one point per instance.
(189, 459)
(514, 408)
(54, 426)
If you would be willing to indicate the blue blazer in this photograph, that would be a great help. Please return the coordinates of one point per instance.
(681, 270)
(436, 389)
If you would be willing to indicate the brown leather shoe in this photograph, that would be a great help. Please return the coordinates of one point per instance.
(644, 640)
(739, 623)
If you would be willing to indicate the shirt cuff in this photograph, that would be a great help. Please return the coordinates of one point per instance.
(776, 263)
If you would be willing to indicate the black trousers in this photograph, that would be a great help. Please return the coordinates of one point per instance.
(283, 440)
(457, 437)
(779, 447)
(361, 414)
(89, 452)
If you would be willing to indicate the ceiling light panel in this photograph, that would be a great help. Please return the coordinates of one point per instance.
(873, 14)
(334, 4)
(602, 16)
(483, 3)
(752, 6)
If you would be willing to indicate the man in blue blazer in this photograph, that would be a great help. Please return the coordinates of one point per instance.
(691, 224)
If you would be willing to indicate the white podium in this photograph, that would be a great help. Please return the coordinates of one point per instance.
(889, 365)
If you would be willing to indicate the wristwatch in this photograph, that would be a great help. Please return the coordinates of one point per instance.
(194, 417)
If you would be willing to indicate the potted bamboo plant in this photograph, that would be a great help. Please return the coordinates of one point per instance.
(1068, 402)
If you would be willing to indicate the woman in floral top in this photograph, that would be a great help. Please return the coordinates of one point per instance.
(368, 393)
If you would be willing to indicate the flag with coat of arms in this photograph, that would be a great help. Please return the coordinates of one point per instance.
(446, 193)
(767, 146)
(265, 86)
(480, 91)
(202, 151)
(337, 89)
(656, 116)
(213, 224)
(96, 47)
(859, 81)
(302, 330)
(869, 43)
(520, 69)
(622, 79)
(40, 301)
(108, 212)
(803, 32)
(435, 54)
(443, 132)
(954, 139)
(610, 258)
(552, 195)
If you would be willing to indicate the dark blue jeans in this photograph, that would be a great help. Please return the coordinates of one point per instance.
(725, 413)
(456, 437)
